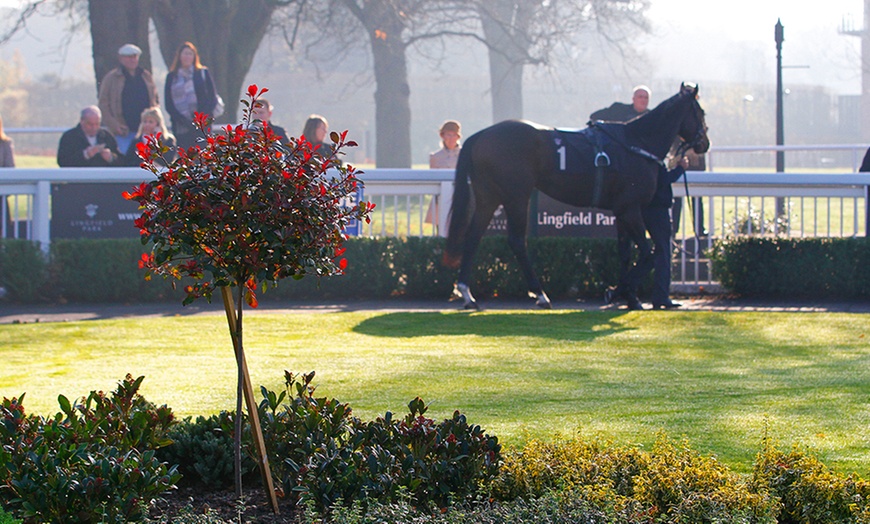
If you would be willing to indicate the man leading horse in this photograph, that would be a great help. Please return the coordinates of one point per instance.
(611, 166)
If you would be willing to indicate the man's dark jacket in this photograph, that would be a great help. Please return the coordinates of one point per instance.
(70, 151)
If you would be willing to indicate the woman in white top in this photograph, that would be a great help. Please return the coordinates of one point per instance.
(446, 157)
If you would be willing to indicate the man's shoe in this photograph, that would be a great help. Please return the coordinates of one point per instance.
(667, 305)
(633, 303)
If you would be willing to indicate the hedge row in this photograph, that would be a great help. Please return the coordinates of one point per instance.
(107, 270)
(815, 268)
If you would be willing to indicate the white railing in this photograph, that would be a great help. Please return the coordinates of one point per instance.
(802, 156)
(416, 202)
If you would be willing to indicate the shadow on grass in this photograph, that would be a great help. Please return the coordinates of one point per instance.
(574, 325)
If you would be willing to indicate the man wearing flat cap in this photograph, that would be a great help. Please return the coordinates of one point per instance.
(125, 92)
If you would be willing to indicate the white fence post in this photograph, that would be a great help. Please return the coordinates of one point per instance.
(41, 213)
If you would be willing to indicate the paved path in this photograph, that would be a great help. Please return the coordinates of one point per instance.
(10, 313)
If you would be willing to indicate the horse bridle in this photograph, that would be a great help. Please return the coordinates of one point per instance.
(700, 133)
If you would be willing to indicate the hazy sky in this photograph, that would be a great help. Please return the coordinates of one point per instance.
(695, 40)
(734, 40)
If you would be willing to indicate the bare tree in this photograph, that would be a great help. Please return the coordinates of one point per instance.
(527, 32)
(386, 22)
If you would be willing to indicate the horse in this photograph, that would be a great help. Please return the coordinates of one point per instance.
(607, 165)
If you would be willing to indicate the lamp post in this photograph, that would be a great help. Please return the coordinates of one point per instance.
(780, 134)
(778, 36)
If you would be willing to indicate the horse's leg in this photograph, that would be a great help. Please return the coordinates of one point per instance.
(632, 223)
(517, 219)
(479, 221)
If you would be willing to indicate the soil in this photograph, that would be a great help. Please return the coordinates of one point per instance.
(224, 504)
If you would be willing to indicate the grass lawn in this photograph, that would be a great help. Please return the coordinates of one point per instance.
(715, 378)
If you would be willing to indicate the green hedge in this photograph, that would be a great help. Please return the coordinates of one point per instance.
(821, 268)
(108, 271)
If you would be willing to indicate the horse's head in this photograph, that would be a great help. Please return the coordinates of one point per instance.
(693, 129)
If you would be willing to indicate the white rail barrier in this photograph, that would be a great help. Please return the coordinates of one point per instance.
(416, 203)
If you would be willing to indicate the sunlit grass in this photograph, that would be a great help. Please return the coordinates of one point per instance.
(714, 377)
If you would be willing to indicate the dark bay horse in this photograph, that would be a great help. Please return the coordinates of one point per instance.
(609, 166)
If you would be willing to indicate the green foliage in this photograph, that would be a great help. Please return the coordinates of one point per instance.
(671, 483)
(92, 462)
(807, 491)
(22, 269)
(203, 451)
(327, 456)
(6, 518)
(793, 268)
(241, 209)
(78, 265)
(378, 268)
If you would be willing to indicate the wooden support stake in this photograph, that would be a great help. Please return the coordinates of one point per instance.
(250, 400)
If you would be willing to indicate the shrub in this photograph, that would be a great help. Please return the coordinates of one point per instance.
(669, 484)
(6, 518)
(807, 491)
(94, 461)
(22, 270)
(324, 455)
(793, 268)
(203, 451)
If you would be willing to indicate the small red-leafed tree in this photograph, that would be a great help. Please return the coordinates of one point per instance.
(241, 211)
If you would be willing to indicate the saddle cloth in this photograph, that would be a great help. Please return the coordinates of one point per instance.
(575, 150)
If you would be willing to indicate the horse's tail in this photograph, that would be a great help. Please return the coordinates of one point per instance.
(462, 206)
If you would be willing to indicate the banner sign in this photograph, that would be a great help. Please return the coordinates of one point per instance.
(550, 218)
(99, 211)
(95, 210)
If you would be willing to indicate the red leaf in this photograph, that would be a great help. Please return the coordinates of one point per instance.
(252, 90)
(342, 264)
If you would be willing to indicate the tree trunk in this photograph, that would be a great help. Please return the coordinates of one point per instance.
(384, 22)
(506, 85)
(226, 33)
(113, 24)
(505, 26)
(392, 104)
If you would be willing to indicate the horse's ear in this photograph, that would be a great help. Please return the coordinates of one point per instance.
(689, 88)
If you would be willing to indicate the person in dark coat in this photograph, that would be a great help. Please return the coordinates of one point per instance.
(620, 112)
(263, 113)
(865, 164)
(189, 88)
(657, 219)
(88, 144)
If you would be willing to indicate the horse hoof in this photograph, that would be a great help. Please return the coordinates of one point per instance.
(543, 301)
(467, 298)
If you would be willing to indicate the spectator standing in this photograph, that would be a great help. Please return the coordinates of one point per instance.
(88, 144)
(315, 130)
(7, 156)
(7, 159)
(151, 123)
(263, 113)
(446, 157)
(189, 88)
(125, 92)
